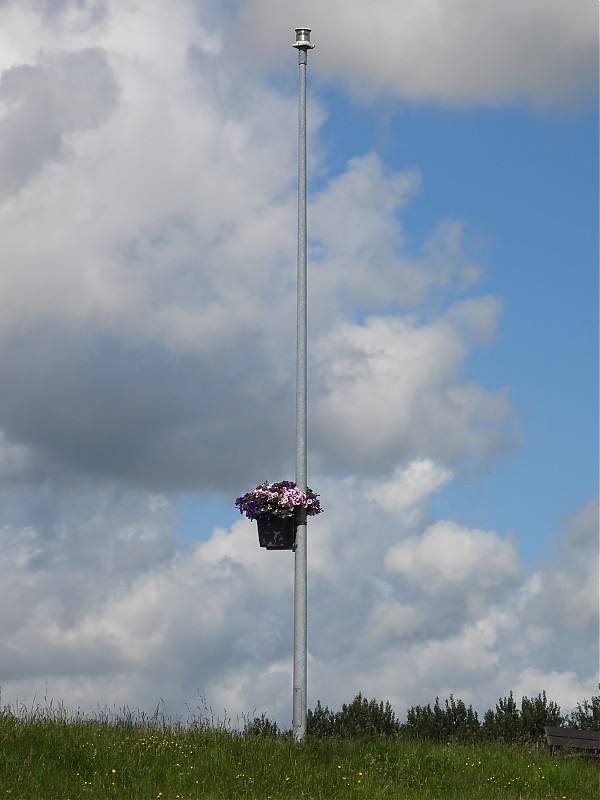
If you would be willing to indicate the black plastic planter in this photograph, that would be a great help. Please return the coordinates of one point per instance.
(277, 533)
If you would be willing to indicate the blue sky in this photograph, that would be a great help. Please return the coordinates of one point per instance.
(526, 184)
(147, 338)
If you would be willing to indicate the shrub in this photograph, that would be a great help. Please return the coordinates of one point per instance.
(454, 722)
(263, 727)
(511, 724)
(320, 723)
(361, 718)
(366, 718)
(587, 715)
(536, 713)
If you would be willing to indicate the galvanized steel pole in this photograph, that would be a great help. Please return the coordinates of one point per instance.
(303, 45)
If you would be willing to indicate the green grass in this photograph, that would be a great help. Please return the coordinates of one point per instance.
(50, 757)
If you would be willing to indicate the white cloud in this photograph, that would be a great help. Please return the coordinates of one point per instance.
(43, 104)
(357, 245)
(145, 337)
(453, 613)
(400, 616)
(564, 688)
(15, 459)
(408, 486)
(566, 600)
(447, 555)
(150, 273)
(391, 386)
(459, 52)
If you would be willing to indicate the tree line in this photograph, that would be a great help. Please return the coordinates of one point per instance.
(451, 721)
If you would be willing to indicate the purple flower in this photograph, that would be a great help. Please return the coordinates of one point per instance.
(278, 500)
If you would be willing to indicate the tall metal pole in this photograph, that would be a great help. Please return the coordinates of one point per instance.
(303, 45)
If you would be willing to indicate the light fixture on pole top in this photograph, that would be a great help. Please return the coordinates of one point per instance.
(303, 38)
(303, 45)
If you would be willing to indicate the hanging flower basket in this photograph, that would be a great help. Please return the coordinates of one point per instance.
(277, 533)
(274, 507)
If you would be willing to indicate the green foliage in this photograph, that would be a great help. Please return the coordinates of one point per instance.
(455, 722)
(320, 723)
(536, 713)
(509, 723)
(359, 719)
(262, 726)
(586, 716)
(364, 717)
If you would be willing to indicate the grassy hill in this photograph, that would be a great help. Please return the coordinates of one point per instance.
(48, 756)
